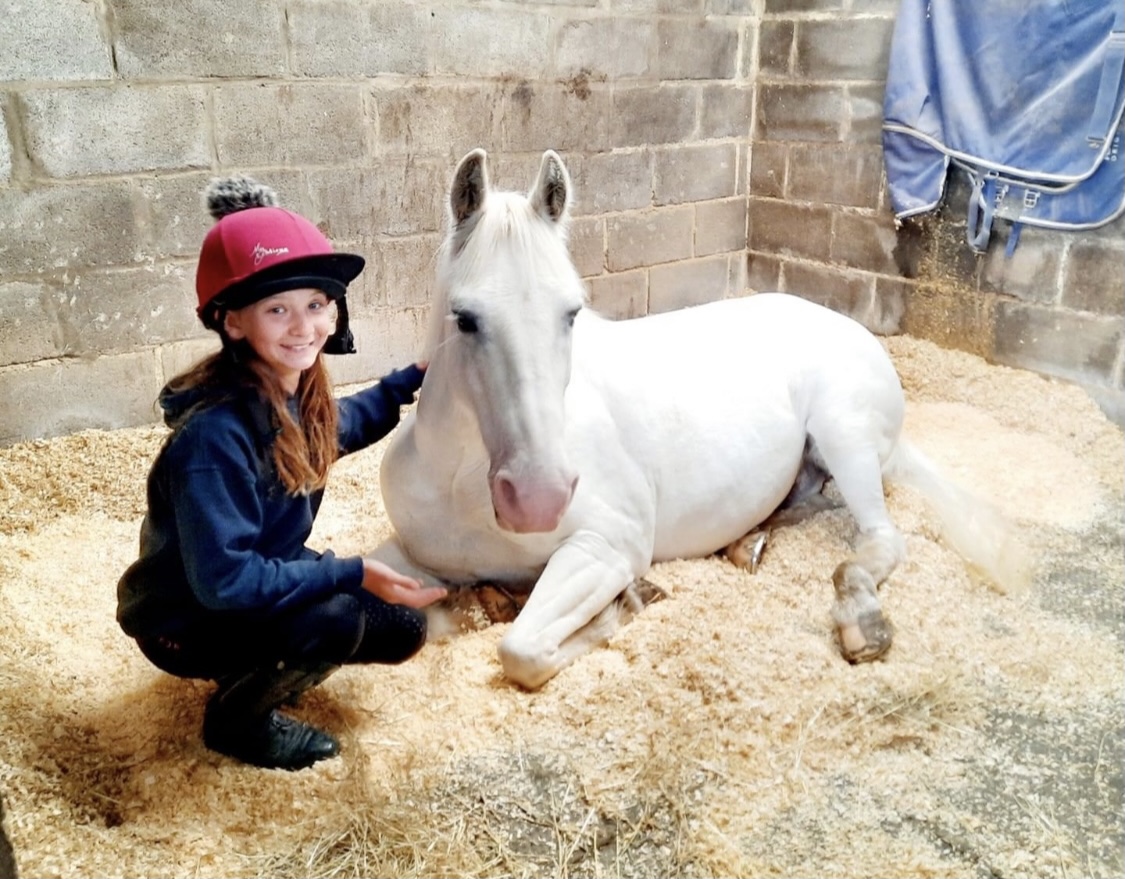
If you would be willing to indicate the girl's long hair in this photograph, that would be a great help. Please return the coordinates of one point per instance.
(305, 447)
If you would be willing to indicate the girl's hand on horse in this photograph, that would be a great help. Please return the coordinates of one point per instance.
(386, 583)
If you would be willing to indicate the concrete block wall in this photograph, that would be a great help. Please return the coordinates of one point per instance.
(718, 147)
(114, 114)
(821, 225)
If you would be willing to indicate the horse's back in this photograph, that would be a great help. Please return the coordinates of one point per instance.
(776, 329)
(777, 352)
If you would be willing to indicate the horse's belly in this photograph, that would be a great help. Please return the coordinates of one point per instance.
(707, 501)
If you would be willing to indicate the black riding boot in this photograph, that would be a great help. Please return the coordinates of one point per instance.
(240, 720)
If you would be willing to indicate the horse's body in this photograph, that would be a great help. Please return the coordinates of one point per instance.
(554, 447)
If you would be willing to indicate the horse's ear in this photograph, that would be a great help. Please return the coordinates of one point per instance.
(470, 185)
(550, 196)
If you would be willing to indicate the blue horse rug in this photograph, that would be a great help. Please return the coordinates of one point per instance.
(1025, 96)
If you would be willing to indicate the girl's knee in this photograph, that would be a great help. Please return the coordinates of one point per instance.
(329, 631)
(392, 634)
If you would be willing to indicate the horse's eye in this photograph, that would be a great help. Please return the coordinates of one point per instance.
(571, 315)
(466, 323)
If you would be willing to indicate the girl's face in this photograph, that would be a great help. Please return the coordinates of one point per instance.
(286, 330)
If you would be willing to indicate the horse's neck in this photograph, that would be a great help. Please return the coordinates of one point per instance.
(445, 430)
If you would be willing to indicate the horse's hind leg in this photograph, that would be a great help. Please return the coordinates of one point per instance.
(863, 631)
(804, 500)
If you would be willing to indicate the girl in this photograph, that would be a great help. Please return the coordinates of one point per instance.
(225, 588)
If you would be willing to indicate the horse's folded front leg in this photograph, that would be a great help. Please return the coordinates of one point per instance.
(571, 610)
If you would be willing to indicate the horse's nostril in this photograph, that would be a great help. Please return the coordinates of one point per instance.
(508, 491)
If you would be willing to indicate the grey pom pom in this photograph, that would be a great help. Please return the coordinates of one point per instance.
(227, 195)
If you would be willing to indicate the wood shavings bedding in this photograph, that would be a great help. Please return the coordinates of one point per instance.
(718, 734)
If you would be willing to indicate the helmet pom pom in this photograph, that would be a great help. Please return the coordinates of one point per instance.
(227, 195)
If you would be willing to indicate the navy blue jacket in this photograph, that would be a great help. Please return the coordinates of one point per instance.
(221, 532)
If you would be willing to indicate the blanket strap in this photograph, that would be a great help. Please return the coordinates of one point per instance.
(982, 205)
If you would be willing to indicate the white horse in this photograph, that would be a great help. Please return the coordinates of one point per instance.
(553, 447)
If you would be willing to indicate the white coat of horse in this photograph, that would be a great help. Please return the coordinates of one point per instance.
(555, 447)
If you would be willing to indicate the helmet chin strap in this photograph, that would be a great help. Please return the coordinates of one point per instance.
(341, 341)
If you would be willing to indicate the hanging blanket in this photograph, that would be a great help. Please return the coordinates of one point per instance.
(1025, 96)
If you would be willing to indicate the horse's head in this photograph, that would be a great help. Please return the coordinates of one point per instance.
(510, 295)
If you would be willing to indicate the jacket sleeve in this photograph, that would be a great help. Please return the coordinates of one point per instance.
(219, 523)
(368, 416)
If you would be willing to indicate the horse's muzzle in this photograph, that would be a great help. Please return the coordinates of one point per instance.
(531, 505)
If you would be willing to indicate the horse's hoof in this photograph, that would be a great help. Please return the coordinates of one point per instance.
(866, 639)
(864, 633)
(746, 552)
(499, 605)
(638, 595)
(647, 591)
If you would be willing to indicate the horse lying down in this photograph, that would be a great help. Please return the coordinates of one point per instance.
(555, 449)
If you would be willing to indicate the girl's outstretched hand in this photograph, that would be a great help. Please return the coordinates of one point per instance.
(386, 583)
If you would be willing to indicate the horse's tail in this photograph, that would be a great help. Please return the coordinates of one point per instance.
(976, 529)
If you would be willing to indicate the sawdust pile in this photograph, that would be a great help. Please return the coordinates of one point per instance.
(718, 734)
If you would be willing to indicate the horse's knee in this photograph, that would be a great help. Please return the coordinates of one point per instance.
(524, 661)
(529, 663)
(879, 551)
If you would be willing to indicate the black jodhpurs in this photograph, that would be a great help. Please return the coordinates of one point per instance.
(342, 629)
